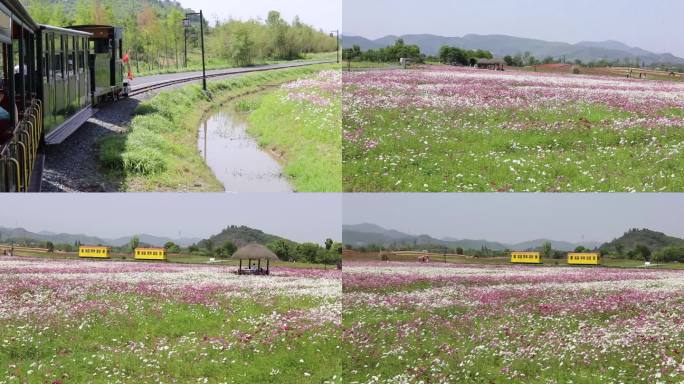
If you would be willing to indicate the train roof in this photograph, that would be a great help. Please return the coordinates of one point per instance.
(18, 12)
(95, 26)
(66, 31)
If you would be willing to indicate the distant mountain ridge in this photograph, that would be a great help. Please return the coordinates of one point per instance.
(19, 234)
(503, 45)
(371, 234)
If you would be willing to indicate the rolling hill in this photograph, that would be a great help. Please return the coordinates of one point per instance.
(653, 240)
(502, 45)
(241, 235)
(370, 234)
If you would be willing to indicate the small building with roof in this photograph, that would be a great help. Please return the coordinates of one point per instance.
(254, 254)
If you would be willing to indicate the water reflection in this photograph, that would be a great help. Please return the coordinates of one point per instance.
(235, 157)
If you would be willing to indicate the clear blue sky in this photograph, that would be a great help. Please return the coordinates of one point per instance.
(322, 14)
(519, 217)
(299, 217)
(654, 25)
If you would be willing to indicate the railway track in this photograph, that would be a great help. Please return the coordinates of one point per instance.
(163, 84)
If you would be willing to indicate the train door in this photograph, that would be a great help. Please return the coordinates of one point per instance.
(44, 49)
(72, 93)
(60, 88)
(52, 79)
(82, 45)
(7, 171)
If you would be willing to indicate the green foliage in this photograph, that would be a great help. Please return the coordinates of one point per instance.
(643, 252)
(453, 55)
(670, 254)
(135, 242)
(310, 253)
(172, 247)
(226, 250)
(154, 36)
(390, 54)
(282, 249)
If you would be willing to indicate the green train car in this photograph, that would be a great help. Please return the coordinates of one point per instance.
(106, 61)
(50, 82)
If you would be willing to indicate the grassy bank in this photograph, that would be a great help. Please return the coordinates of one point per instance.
(159, 150)
(302, 123)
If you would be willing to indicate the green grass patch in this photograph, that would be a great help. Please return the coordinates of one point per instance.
(157, 341)
(307, 138)
(574, 149)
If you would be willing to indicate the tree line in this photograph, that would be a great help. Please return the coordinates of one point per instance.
(668, 254)
(330, 253)
(155, 38)
(390, 54)
(457, 56)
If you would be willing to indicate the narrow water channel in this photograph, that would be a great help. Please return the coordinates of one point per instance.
(236, 158)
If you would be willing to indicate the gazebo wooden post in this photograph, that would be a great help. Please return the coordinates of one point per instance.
(259, 265)
(268, 264)
(240, 268)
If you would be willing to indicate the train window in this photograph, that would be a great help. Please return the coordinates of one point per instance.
(57, 57)
(77, 51)
(71, 60)
(103, 46)
(82, 53)
(44, 58)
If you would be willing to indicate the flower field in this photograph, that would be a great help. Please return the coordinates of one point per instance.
(463, 129)
(73, 321)
(410, 323)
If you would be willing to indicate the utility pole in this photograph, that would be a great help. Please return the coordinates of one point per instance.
(204, 67)
(186, 25)
(337, 35)
(185, 41)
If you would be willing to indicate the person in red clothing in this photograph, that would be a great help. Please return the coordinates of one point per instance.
(126, 60)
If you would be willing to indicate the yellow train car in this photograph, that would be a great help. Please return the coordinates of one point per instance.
(158, 254)
(95, 252)
(526, 258)
(575, 258)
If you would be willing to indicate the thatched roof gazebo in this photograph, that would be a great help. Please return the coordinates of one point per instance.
(256, 252)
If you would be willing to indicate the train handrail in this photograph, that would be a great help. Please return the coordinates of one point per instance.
(18, 157)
